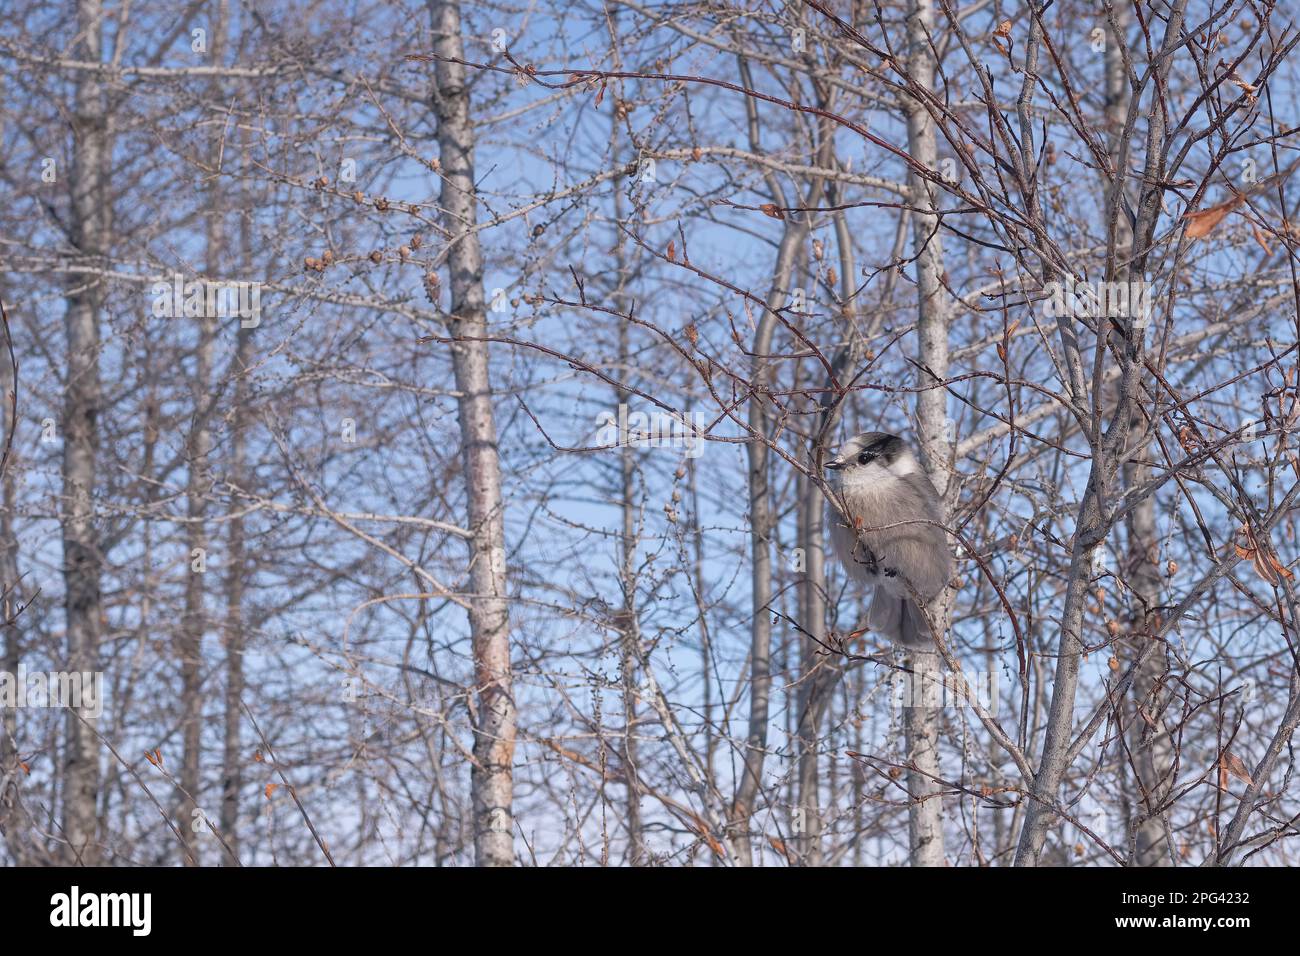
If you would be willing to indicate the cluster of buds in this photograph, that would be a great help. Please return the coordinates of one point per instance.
(313, 264)
(431, 286)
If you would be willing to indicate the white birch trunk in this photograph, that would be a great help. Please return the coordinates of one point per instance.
(921, 724)
(491, 780)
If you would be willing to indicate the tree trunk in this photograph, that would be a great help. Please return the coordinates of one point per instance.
(11, 602)
(921, 723)
(232, 777)
(630, 649)
(198, 482)
(233, 639)
(1090, 528)
(491, 780)
(82, 560)
(761, 525)
(820, 673)
(1149, 748)
(630, 645)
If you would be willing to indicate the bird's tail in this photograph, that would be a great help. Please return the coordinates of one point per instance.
(898, 619)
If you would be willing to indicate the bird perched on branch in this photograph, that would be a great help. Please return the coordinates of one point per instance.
(897, 534)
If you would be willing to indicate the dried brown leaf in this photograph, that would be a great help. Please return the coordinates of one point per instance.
(1263, 567)
(1230, 763)
(703, 833)
(1280, 568)
(780, 847)
(1250, 89)
(1259, 237)
(1200, 223)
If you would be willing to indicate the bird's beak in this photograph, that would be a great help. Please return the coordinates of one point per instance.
(835, 464)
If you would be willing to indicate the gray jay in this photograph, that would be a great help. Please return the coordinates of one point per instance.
(898, 535)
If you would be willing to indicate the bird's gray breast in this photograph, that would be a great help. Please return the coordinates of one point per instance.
(896, 520)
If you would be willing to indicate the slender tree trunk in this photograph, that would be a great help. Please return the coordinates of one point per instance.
(1149, 741)
(1047, 781)
(11, 602)
(233, 636)
(629, 652)
(921, 723)
(232, 777)
(1149, 744)
(761, 525)
(194, 621)
(793, 241)
(1149, 747)
(819, 672)
(82, 560)
(858, 776)
(198, 482)
(1090, 528)
(629, 623)
(491, 779)
(630, 643)
(706, 643)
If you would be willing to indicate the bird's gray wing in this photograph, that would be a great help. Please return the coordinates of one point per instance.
(852, 551)
(919, 549)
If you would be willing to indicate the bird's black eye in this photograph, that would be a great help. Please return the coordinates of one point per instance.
(865, 457)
